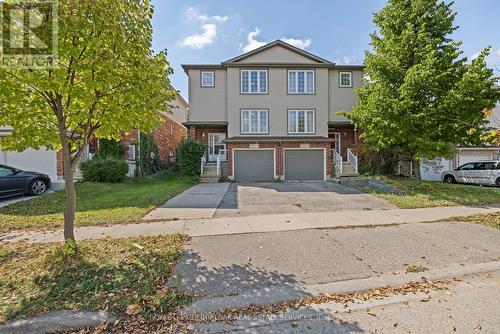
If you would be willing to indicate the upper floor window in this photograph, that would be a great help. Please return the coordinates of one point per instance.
(254, 81)
(254, 121)
(345, 79)
(207, 78)
(301, 82)
(300, 121)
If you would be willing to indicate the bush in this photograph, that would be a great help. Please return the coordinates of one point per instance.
(189, 153)
(109, 148)
(104, 170)
(424, 187)
(149, 160)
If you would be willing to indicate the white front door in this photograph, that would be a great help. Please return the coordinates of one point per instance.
(215, 144)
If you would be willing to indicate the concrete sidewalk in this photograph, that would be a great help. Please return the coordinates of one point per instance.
(255, 224)
(199, 201)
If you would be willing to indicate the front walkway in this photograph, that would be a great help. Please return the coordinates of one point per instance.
(256, 224)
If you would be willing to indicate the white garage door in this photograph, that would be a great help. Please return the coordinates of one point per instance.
(464, 157)
(43, 161)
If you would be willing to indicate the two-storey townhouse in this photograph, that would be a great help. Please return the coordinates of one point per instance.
(272, 112)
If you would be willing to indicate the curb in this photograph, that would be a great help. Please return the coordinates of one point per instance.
(276, 295)
(55, 321)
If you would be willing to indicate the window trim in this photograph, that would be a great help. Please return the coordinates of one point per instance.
(340, 79)
(258, 82)
(133, 148)
(254, 133)
(301, 133)
(201, 79)
(334, 133)
(297, 82)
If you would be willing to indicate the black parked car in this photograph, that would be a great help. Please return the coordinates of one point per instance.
(14, 181)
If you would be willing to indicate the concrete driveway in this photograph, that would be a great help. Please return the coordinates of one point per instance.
(248, 199)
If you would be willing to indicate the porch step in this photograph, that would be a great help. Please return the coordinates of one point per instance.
(209, 179)
(347, 170)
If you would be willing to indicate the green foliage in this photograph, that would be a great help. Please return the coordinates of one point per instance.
(424, 187)
(107, 82)
(368, 168)
(70, 248)
(419, 95)
(149, 159)
(189, 153)
(104, 170)
(109, 148)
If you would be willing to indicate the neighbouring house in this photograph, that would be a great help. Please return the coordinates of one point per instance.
(272, 113)
(432, 170)
(167, 136)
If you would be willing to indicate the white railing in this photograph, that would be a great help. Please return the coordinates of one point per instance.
(220, 157)
(337, 163)
(202, 165)
(352, 160)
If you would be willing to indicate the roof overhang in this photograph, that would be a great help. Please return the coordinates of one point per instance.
(285, 45)
(187, 67)
(281, 139)
(206, 123)
(236, 61)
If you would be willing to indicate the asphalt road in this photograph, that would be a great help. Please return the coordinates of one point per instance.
(230, 265)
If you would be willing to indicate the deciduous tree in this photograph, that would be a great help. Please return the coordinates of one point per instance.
(108, 81)
(420, 94)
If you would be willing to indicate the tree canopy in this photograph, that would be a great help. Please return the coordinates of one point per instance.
(107, 81)
(419, 93)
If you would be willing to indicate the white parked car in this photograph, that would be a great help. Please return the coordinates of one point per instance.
(478, 172)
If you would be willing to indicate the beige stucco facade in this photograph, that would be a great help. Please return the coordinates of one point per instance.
(224, 101)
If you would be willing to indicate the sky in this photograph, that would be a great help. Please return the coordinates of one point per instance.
(212, 31)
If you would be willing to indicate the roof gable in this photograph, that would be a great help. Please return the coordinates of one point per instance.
(277, 52)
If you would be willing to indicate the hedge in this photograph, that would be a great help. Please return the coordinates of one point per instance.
(104, 170)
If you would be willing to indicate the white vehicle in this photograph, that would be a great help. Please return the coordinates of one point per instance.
(479, 172)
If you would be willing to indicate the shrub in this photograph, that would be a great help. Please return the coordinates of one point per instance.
(424, 187)
(149, 160)
(109, 148)
(104, 170)
(189, 153)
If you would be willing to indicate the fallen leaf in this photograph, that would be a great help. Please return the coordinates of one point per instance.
(132, 309)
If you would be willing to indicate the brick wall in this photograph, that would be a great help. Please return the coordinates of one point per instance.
(131, 138)
(167, 136)
(279, 154)
(348, 138)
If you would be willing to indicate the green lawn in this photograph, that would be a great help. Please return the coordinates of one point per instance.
(488, 219)
(118, 275)
(98, 203)
(430, 194)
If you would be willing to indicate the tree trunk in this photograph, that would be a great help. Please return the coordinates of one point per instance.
(69, 210)
(416, 168)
